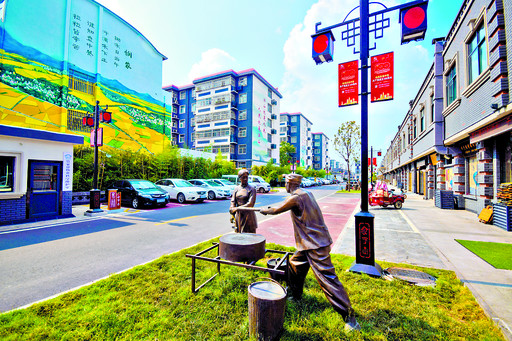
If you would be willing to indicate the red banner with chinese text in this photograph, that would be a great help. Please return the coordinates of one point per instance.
(382, 77)
(348, 83)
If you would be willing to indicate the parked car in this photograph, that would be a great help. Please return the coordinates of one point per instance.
(225, 183)
(182, 190)
(138, 193)
(306, 182)
(259, 183)
(254, 180)
(214, 190)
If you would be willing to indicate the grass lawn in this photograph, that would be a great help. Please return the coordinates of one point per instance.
(154, 302)
(496, 254)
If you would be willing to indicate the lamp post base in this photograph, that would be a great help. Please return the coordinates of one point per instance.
(371, 270)
(94, 212)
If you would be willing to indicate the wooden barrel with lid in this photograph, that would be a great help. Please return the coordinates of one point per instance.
(242, 247)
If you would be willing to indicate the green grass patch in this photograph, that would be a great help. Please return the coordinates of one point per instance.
(496, 254)
(154, 302)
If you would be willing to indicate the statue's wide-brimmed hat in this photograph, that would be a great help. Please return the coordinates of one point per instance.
(293, 178)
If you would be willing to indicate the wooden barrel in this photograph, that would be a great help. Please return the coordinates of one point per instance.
(266, 310)
(242, 247)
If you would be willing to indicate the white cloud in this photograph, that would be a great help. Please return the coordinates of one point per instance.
(312, 89)
(212, 61)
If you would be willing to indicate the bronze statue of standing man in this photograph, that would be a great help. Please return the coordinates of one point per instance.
(244, 195)
(313, 243)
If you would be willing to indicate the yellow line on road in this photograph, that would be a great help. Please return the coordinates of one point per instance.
(174, 220)
(414, 228)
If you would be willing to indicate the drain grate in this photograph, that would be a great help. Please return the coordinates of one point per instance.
(412, 276)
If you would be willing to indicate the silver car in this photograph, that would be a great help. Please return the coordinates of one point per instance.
(182, 190)
(213, 189)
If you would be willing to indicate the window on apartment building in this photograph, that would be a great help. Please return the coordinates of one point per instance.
(193, 107)
(269, 138)
(194, 93)
(269, 107)
(269, 123)
(174, 109)
(317, 158)
(283, 118)
(242, 148)
(294, 129)
(182, 109)
(242, 81)
(282, 130)
(317, 137)
(283, 139)
(316, 151)
(451, 85)
(192, 121)
(403, 142)
(242, 164)
(242, 115)
(182, 138)
(182, 123)
(422, 119)
(243, 98)
(477, 54)
(293, 139)
(183, 94)
(293, 119)
(432, 116)
(269, 93)
(242, 132)
(414, 129)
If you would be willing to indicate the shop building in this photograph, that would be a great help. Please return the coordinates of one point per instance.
(456, 134)
(295, 129)
(36, 174)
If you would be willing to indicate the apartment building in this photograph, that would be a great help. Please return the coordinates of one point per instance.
(295, 129)
(234, 113)
(456, 133)
(321, 158)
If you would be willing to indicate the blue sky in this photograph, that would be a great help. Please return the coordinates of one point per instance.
(200, 37)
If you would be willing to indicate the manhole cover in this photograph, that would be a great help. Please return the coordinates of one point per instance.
(412, 276)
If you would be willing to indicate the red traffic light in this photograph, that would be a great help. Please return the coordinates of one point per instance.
(106, 116)
(414, 22)
(323, 47)
(88, 121)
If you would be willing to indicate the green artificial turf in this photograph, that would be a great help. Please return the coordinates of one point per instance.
(496, 254)
(154, 302)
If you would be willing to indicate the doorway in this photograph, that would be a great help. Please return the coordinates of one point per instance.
(44, 189)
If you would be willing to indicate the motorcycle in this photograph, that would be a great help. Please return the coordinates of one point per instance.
(386, 198)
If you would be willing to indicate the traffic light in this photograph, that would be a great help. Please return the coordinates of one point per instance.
(323, 47)
(88, 121)
(106, 117)
(414, 22)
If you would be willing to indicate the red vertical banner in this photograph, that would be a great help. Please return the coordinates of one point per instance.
(382, 77)
(348, 83)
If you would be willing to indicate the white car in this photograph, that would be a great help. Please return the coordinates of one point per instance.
(182, 190)
(259, 183)
(226, 184)
(213, 189)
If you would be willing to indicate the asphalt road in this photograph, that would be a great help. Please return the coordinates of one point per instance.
(39, 263)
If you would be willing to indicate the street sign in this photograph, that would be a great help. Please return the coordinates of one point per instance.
(114, 199)
(348, 83)
(382, 77)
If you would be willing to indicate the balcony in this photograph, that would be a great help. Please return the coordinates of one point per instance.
(174, 130)
(174, 115)
(233, 139)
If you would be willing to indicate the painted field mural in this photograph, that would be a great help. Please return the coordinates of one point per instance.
(52, 89)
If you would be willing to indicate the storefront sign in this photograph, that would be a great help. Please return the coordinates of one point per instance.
(496, 128)
(67, 174)
(348, 83)
(382, 77)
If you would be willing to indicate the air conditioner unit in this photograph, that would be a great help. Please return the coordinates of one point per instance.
(274, 102)
(273, 131)
(273, 146)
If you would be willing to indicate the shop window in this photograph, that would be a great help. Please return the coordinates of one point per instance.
(472, 175)
(7, 174)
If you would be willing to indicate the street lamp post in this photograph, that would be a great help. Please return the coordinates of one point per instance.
(413, 19)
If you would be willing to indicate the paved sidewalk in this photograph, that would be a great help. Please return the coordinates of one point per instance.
(424, 235)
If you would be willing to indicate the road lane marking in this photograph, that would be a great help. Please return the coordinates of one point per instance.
(174, 220)
(414, 228)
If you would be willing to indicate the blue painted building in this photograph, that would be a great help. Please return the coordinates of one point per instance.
(234, 113)
(320, 151)
(295, 129)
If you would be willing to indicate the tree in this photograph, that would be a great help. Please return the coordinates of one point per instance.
(347, 143)
(285, 149)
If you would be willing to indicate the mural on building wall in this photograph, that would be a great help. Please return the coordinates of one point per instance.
(41, 91)
(260, 117)
(473, 175)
